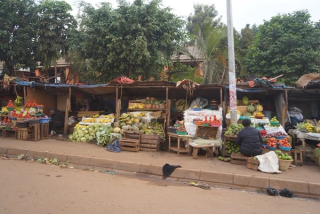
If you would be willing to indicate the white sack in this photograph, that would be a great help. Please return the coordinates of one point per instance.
(269, 162)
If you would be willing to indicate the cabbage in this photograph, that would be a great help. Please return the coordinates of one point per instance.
(81, 135)
(70, 136)
(83, 129)
(90, 138)
(85, 132)
(80, 132)
(83, 139)
(87, 136)
(91, 130)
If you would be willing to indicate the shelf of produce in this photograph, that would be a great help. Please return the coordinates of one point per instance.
(105, 124)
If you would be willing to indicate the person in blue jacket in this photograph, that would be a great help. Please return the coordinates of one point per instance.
(249, 139)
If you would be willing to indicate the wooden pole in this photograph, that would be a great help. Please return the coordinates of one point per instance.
(24, 95)
(286, 96)
(167, 110)
(221, 97)
(70, 98)
(66, 117)
(283, 114)
(117, 97)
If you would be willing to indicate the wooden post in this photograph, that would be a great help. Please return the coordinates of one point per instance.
(221, 96)
(283, 114)
(24, 95)
(286, 96)
(70, 98)
(66, 117)
(167, 110)
(117, 104)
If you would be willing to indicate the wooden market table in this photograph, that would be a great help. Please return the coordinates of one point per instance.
(178, 149)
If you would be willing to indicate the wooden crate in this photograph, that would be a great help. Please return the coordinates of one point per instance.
(130, 142)
(44, 131)
(150, 143)
(238, 159)
(252, 163)
(24, 133)
(36, 136)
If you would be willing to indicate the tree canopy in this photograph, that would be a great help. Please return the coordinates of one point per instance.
(17, 34)
(54, 24)
(135, 39)
(287, 44)
(203, 14)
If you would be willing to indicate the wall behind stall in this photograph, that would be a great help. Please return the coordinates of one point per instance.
(42, 97)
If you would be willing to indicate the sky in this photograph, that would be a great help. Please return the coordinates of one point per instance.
(244, 11)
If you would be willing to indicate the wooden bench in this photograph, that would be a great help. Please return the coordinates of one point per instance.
(209, 150)
(178, 149)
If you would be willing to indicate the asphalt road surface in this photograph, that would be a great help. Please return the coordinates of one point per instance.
(37, 188)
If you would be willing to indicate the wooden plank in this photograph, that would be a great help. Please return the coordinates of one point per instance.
(129, 149)
(24, 94)
(148, 150)
(154, 146)
(238, 162)
(150, 137)
(150, 141)
(283, 114)
(130, 144)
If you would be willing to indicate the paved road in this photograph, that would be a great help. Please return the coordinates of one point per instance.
(37, 188)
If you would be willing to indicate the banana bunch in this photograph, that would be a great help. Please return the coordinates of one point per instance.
(104, 120)
(141, 114)
(96, 116)
(308, 126)
(80, 126)
(91, 120)
(19, 101)
(125, 117)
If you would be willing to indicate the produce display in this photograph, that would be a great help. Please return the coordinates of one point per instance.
(283, 156)
(89, 133)
(10, 104)
(234, 129)
(305, 127)
(284, 143)
(274, 120)
(276, 134)
(272, 142)
(232, 147)
(19, 101)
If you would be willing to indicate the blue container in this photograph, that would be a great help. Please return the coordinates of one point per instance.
(13, 118)
(280, 137)
(271, 148)
(44, 120)
(197, 109)
(285, 148)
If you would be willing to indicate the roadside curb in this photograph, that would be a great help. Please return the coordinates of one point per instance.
(301, 187)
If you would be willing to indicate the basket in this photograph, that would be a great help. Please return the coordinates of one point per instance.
(23, 125)
(181, 133)
(8, 128)
(252, 163)
(10, 109)
(173, 130)
(44, 120)
(284, 164)
(287, 149)
(197, 109)
(31, 122)
(274, 123)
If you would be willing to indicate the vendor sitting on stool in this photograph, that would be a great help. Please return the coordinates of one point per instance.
(249, 139)
(56, 120)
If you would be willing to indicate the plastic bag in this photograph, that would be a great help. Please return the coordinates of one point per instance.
(269, 162)
(199, 102)
(272, 191)
(286, 193)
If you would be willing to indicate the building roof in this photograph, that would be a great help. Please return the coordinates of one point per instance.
(184, 57)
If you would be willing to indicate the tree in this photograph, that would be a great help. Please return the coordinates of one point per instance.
(287, 44)
(203, 14)
(17, 34)
(211, 50)
(54, 24)
(135, 39)
(246, 39)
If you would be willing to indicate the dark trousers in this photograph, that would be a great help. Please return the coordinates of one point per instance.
(55, 124)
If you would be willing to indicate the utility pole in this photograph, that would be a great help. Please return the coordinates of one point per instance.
(232, 66)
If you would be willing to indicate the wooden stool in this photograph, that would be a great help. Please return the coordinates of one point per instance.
(44, 131)
(178, 149)
(209, 151)
(297, 156)
(24, 133)
(35, 132)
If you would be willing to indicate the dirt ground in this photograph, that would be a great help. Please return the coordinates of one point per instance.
(300, 173)
(37, 188)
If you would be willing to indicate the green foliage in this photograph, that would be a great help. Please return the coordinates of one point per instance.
(203, 14)
(17, 34)
(181, 71)
(287, 44)
(54, 24)
(211, 48)
(135, 39)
